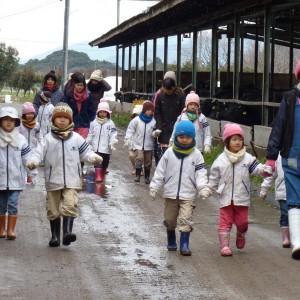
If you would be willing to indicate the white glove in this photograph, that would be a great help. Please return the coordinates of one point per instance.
(127, 143)
(205, 192)
(112, 143)
(265, 171)
(153, 193)
(96, 159)
(263, 193)
(207, 149)
(34, 179)
(31, 165)
(156, 133)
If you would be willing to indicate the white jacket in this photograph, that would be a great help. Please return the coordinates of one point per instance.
(44, 117)
(62, 160)
(13, 165)
(232, 181)
(140, 133)
(180, 178)
(33, 136)
(202, 128)
(101, 135)
(278, 177)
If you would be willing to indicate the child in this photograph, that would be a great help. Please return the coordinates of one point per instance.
(230, 178)
(14, 153)
(102, 137)
(62, 149)
(82, 105)
(139, 135)
(280, 196)
(30, 128)
(45, 112)
(190, 112)
(181, 173)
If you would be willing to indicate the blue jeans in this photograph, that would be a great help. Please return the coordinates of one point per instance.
(284, 219)
(9, 202)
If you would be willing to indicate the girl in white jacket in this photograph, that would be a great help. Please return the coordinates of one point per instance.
(181, 174)
(202, 128)
(62, 150)
(102, 137)
(280, 196)
(230, 179)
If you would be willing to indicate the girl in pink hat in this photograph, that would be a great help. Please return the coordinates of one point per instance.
(30, 128)
(191, 112)
(230, 179)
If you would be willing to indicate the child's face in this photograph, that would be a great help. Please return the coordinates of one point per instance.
(236, 143)
(50, 81)
(29, 116)
(192, 106)
(185, 140)
(61, 122)
(149, 112)
(8, 124)
(102, 114)
(79, 87)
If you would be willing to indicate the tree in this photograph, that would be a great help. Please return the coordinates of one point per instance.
(9, 62)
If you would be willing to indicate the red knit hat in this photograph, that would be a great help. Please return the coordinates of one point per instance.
(231, 129)
(148, 105)
(297, 70)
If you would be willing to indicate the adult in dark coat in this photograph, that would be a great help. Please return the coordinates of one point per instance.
(97, 86)
(49, 85)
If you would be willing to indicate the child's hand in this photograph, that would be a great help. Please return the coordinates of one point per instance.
(271, 163)
(266, 171)
(205, 192)
(263, 193)
(153, 193)
(207, 149)
(156, 133)
(96, 159)
(31, 165)
(127, 143)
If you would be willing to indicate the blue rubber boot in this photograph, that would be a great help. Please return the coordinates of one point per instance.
(184, 244)
(172, 246)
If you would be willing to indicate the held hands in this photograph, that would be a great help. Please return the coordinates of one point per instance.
(263, 193)
(156, 133)
(31, 165)
(207, 149)
(96, 159)
(153, 193)
(270, 163)
(266, 170)
(205, 192)
(112, 143)
(127, 143)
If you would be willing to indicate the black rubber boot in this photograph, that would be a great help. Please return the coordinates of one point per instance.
(68, 236)
(147, 176)
(55, 230)
(137, 175)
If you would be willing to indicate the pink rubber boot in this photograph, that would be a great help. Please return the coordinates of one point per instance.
(224, 237)
(286, 242)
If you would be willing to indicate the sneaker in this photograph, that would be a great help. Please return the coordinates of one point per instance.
(226, 251)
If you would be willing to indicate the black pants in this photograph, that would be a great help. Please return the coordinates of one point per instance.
(105, 161)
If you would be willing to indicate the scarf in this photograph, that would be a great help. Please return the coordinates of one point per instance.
(235, 157)
(50, 87)
(181, 151)
(9, 138)
(145, 118)
(192, 116)
(80, 97)
(61, 133)
(101, 121)
(29, 124)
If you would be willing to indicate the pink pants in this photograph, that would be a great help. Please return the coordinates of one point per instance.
(82, 131)
(234, 214)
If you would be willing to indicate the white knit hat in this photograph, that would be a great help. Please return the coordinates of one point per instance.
(171, 74)
(103, 105)
(96, 75)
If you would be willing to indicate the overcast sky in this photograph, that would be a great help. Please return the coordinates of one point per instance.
(37, 26)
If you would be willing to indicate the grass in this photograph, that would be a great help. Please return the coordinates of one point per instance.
(121, 119)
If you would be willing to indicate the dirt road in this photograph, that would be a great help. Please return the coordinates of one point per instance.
(120, 252)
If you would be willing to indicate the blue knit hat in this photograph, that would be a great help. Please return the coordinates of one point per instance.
(185, 127)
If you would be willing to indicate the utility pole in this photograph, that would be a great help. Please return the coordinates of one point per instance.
(65, 46)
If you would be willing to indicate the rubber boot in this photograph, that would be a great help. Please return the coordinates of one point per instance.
(184, 244)
(294, 222)
(98, 174)
(147, 176)
(172, 246)
(102, 174)
(224, 237)
(137, 175)
(2, 226)
(55, 230)
(68, 236)
(11, 224)
(240, 240)
(285, 233)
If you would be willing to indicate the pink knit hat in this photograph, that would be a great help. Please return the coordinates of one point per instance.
(231, 129)
(103, 105)
(192, 97)
(297, 70)
(28, 108)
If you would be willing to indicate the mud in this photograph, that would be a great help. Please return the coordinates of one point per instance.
(120, 252)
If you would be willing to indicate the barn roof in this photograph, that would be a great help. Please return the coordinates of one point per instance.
(172, 17)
